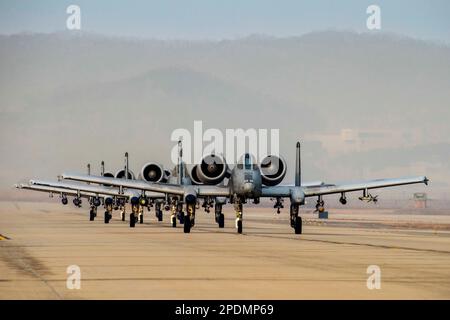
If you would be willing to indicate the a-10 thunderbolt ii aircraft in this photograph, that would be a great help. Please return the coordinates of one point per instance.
(248, 181)
(96, 195)
(107, 196)
(112, 198)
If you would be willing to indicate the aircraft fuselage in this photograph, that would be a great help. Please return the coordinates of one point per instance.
(245, 181)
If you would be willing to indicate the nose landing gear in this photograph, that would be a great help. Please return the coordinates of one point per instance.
(158, 211)
(92, 213)
(108, 207)
(108, 217)
(134, 211)
(173, 216)
(220, 218)
(189, 218)
(296, 220)
(238, 211)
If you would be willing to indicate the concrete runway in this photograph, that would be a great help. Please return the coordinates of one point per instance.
(156, 261)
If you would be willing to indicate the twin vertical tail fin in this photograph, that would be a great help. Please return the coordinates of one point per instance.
(88, 170)
(126, 165)
(298, 166)
(180, 162)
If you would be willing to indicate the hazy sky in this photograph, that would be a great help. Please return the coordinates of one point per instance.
(214, 19)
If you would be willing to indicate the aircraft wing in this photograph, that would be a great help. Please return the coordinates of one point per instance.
(286, 190)
(307, 184)
(161, 188)
(95, 189)
(212, 191)
(373, 184)
(48, 189)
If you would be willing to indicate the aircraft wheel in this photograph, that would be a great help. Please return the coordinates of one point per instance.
(106, 217)
(239, 226)
(160, 215)
(91, 215)
(221, 220)
(132, 220)
(187, 225)
(141, 219)
(122, 216)
(298, 225)
(174, 221)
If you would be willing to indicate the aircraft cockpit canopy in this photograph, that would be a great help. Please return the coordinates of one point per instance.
(247, 162)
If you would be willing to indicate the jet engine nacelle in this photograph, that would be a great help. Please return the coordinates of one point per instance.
(194, 176)
(212, 170)
(121, 174)
(109, 175)
(273, 170)
(153, 172)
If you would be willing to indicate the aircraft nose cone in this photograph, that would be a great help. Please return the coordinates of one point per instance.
(248, 187)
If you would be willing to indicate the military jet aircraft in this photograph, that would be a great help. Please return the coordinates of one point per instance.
(116, 199)
(107, 196)
(248, 181)
(98, 195)
(95, 194)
